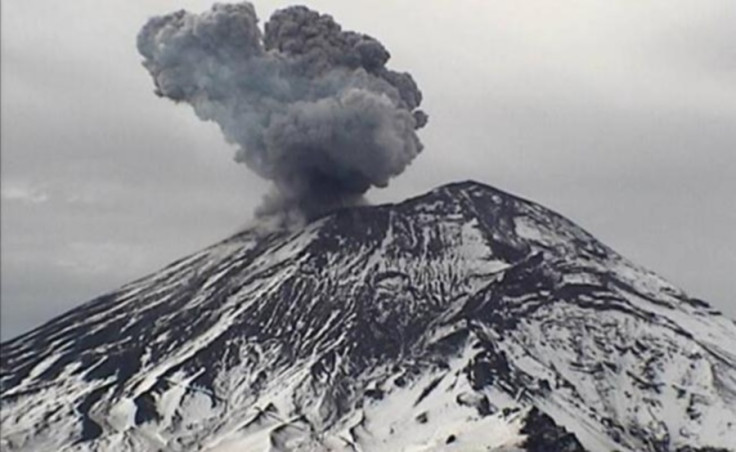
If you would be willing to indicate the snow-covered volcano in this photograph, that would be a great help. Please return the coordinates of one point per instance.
(464, 319)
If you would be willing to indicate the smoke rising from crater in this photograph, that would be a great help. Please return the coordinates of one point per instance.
(310, 106)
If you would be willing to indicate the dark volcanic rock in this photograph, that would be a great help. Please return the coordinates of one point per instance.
(543, 435)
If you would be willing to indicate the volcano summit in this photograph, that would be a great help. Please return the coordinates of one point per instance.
(463, 319)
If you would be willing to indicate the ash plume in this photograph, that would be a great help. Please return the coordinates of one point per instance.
(309, 106)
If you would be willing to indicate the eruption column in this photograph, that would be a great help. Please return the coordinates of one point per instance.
(309, 106)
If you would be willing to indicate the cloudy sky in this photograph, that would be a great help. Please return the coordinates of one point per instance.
(619, 115)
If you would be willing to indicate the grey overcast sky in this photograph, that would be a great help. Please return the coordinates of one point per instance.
(620, 115)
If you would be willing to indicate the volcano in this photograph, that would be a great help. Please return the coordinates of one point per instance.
(463, 319)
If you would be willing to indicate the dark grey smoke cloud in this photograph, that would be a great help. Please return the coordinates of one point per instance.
(310, 106)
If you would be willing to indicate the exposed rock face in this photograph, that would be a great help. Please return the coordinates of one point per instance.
(463, 319)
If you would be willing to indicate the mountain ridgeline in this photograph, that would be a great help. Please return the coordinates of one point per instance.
(463, 319)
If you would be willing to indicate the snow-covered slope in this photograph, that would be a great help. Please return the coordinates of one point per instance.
(464, 319)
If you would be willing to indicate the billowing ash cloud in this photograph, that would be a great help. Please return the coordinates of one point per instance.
(310, 106)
